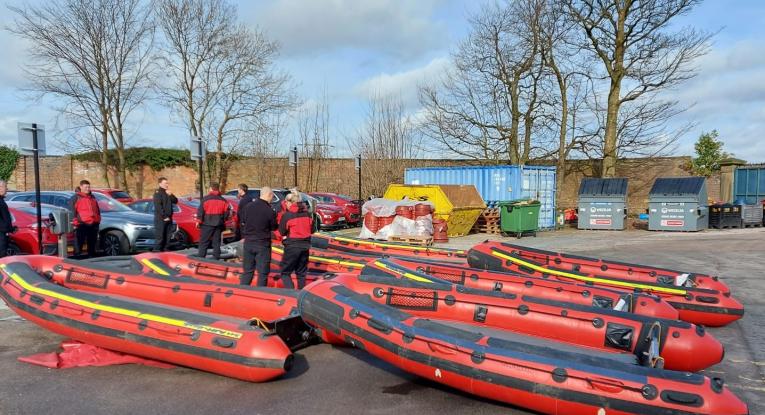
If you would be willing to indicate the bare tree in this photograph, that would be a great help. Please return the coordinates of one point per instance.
(313, 133)
(487, 106)
(387, 141)
(640, 58)
(220, 75)
(94, 58)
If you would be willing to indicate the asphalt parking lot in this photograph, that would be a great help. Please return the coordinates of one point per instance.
(328, 380)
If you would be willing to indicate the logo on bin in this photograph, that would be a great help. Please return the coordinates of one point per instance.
(672, 222)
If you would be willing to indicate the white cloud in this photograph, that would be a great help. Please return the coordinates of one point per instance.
(403, 29)
(403, 84)
(728, 95)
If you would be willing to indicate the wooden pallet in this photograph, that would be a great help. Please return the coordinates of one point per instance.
(752, 225)
(412, 240)
(488, 222)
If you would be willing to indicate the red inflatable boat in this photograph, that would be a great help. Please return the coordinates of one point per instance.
(226, 346)
(695, 305)
(518, 370)
(272, 309)
(175, 263)
(513, 283)
(364, 246)
(682, 346)
(615, 269)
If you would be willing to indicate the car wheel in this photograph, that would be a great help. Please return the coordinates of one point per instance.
(12, 250)
(182, 238)
(114, 243)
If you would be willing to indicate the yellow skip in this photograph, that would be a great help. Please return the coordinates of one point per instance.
(403, 273)
(589, 279)
(121, 311)
(154, 267)
(407, 247)
(352, 264)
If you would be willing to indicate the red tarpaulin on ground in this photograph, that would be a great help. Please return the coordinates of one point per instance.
(77, 354)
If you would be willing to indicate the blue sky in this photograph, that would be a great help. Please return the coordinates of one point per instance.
(352, 48)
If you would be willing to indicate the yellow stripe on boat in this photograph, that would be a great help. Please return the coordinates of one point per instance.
(154, 267)
(118, 310)
(403, 273)
(323, 260)
(596, 280)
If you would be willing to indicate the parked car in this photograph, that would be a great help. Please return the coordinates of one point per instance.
(24, 240)
(116, 194)
(279, 196)
(351, 208)
(331, 216)
(123, 231)
(184, 216)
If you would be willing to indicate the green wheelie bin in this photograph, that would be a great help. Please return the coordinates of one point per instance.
(518, 217)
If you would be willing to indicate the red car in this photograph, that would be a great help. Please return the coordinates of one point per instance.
(24, 240)
(332, 216)
(185, 215)
(351, 209)
(120, 195)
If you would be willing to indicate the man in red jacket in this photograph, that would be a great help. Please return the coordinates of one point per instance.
(87, 219)
(295, 227)
(211, 217)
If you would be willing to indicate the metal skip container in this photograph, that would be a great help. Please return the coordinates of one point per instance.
(602, 203)
(678, 204)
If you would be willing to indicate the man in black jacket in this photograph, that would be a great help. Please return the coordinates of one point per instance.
(258, 219)
(244, 199)
(6, 222)
(163, 214)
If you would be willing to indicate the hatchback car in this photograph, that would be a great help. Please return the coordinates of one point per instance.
(351, 208)
(24, 240)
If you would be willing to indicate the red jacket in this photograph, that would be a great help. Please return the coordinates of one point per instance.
(296, 226)
(213, 210)
(85, 208)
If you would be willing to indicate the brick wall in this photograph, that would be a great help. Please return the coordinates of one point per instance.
(335, 175)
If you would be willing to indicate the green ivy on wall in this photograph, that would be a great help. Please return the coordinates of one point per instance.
(9, 156)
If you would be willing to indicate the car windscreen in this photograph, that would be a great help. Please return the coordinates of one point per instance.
(121, 195)
(107, 204)
(191, 202)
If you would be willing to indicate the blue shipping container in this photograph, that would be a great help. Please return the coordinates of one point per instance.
(497, 183)
(749, 184)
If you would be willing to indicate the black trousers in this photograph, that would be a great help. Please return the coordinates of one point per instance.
(4, 239)
(295, 260)
(86, 234)
(256, 257)
(162, 234)
(210, 235)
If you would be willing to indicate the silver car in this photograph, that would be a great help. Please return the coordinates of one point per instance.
(122, 231)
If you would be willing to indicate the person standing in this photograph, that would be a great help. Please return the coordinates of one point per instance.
(296, 227)
(258, 220)
(6, 222)
(211, 218)
(163, 214)
(244, 200)
(87, 219)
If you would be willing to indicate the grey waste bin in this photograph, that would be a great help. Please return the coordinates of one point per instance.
(678, 204)
(602, 203)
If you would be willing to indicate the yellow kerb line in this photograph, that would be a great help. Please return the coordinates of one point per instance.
(154, 267)
(121, 311)
(403, 273)
(411, 248)
(589, 279)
